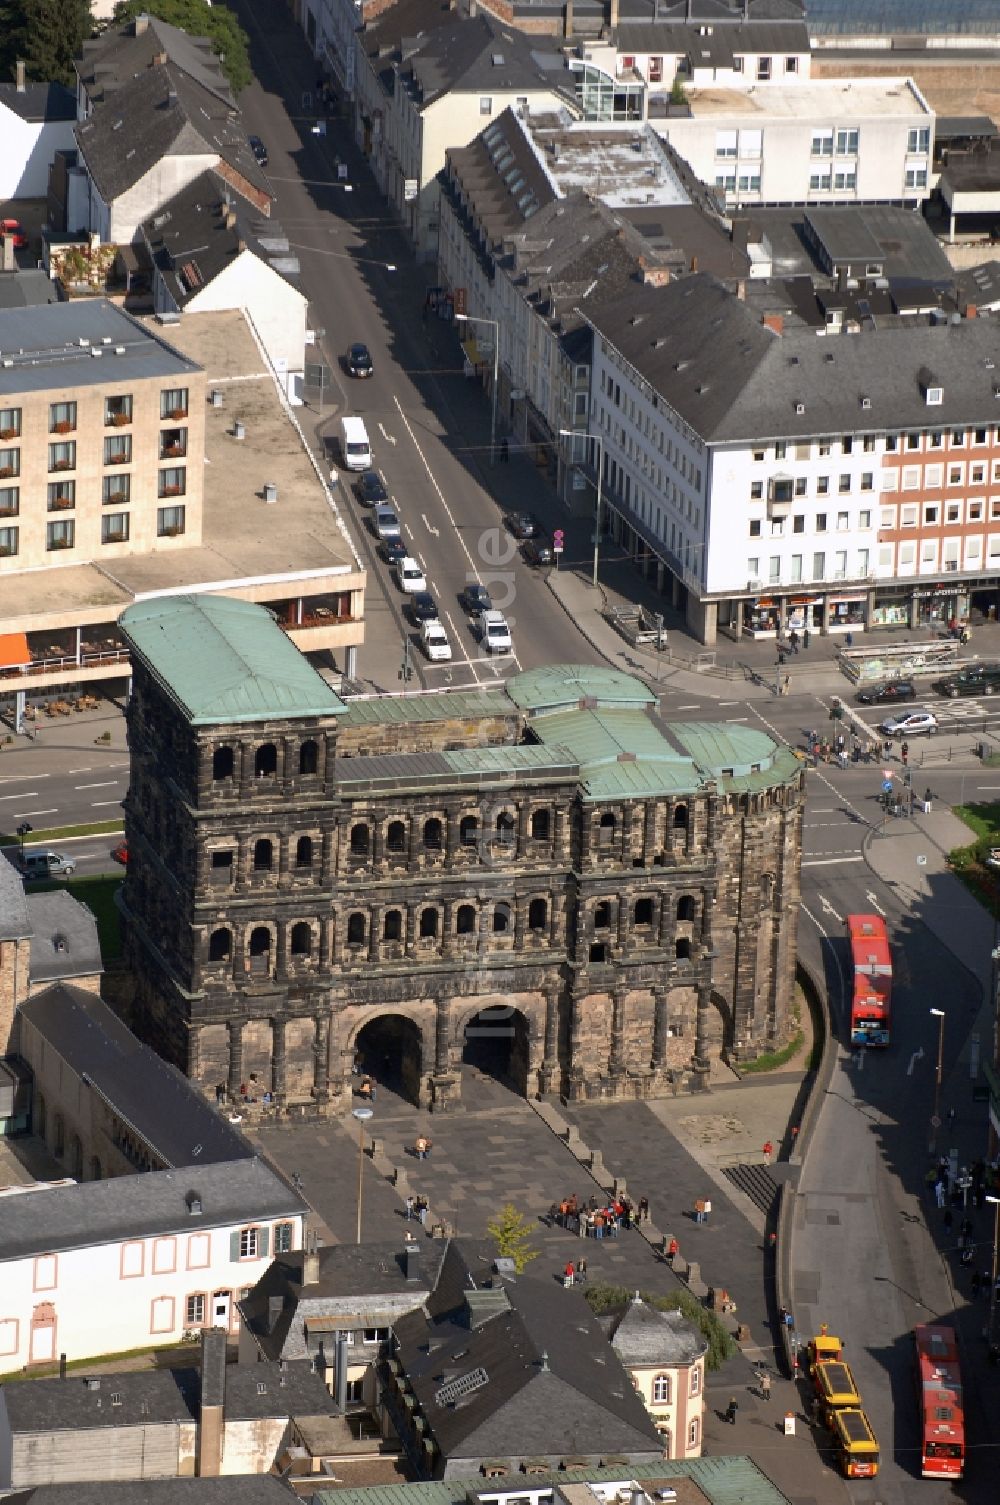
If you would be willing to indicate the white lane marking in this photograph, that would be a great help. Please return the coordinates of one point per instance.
(53, 811)
(422, 563)
(729, 702)
(697, 707)
(107, 784)
(389, 438)
(828, 908)
(17, 778)
(434, 532)
(830, 861)
(25, 794)
(732, 720)
(407, 530)
(457, 638)
(94, 804)
(820, 927)
(870, 897)
(88, 769)
(832, 811)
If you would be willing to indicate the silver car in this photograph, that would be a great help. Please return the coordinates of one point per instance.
(913, 724)
(386, 523)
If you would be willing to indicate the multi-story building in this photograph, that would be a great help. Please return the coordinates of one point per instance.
(778, 480)
(664, 1355)
(825, 141)
(607, 897)
(101, 438)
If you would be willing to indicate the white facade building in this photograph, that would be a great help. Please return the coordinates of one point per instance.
(166, 1252)
(825, 141)
(36, 121)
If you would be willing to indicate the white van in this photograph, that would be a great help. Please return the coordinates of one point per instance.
(355, 449)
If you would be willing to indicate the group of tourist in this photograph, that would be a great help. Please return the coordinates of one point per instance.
(598, 1219)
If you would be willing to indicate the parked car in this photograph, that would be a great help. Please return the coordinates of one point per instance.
(914, 724)
(888, 693)
(978, 679)
(393, 550)
(359, 361)
(494, 632)
(120, 853)
(370, 489)
(15, 230)
(259, 150)
(385, 523)
(475, 599)
(409, 576)
(537, 553)
(422, 607)
(435, 641)
(35, 865)
(524, 525)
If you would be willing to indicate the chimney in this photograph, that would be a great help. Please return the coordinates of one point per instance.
(341, 1381)
(62, 1366)
(655, 276)
(971, 311)
(614, 13)
(411, 1261)
(775, 322)
(141, 25)
(310, 1266)
(694, 263)
(19, 75)
(568, 21)
(275, 1307)
(212, 1410)
(158, 60)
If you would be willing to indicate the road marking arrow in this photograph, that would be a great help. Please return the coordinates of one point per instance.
(434, 532)
(388, 437)
(827, 907)
(871, 899)
(918, 1055)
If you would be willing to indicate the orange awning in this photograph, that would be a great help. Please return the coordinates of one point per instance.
(14, 652)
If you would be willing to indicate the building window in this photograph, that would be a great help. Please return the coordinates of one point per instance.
(304, 852)
(755, 527)
(847, 142)
(194, 1311)
(115, 489)
(916, 177)
(819, 566)
(308, 757)
(172, 481)
(360, 840)
(61, 457)
(118, 450)
(265, 761)
(173, 444)
(763, 69)
(222, 763)
(502, 918)
(919, 140)
(283, 1235)
(693, 1433)
(263, 856)
(60, 496)
(169, 522)
(868, 480)
(174, 403)
(62, 417)
(114, 527)
(821, 522)
(301, 939)
(844, 483)
(822, 144)
(725, 144)
(465, 920)
(843, 521)
(485, 104)
(392, 925)
(117, 411)
(356, 929)
(845, 180)
(538, 915)
(248, 1243)
(10, 423)
(60, 535)
(799, 523)
(505, 829)
(433, 835)
(756, 491)
(539, 825)
(395, 837)
(661, 1390)
(220, 945)
(822, 485)
(10, 501)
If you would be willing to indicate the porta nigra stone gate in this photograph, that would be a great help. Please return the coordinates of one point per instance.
(545, 871)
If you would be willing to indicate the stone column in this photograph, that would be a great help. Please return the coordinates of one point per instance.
(448, 927)
(649, 835)
(278, 1059)
(281, 949)
(701, 1028)
(442, 1036)
(548, 1076)
(194, 1053)
(235, 1027)
(559, 828)
(624, 922)
(660, 1027)
(626, 846)
(617, 1059)
(522, 828)
(667, 905)
(321, 1059)
(520, 921)
(378, 844)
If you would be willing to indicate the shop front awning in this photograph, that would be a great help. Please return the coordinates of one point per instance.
(14, 652)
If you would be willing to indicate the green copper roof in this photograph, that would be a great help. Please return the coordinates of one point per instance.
(622, 754)
(386, 710)
(224, 660)
(524, 758)
(558, 686)
(721, 747)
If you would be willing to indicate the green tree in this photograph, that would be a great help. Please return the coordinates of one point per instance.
(198, 19)
(607, 1298)
(46, 35)
(511, 1234)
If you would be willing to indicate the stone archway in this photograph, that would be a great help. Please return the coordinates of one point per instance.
(496, 1042)
(389, 1048)
(717, 1029)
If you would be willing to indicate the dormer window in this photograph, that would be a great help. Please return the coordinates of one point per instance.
(934, 396)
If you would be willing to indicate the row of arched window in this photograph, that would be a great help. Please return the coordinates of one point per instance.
(643, 911)
(265, 761)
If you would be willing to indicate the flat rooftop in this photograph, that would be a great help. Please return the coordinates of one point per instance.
(245, 541)
(853, 99)
(81, 344)
(623, 168)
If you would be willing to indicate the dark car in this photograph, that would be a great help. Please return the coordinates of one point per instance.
(259, 150)
(475, 598)
(537, 553)
(422, 607)
(524, 525)
(979, 679)
(370, 489)
(359, 361)
(393, 550)
(887, 694)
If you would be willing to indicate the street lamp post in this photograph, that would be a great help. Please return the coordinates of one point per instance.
(23, 830)
(938, 1074)
(993, 1275)
(495, 325)
(597, 439)
(362, 1115)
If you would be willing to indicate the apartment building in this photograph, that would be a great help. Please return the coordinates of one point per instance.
(777, 480)
(822, 141)
(101, 438)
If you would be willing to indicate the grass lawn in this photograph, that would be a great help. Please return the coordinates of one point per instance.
(970, 863)
(98, 893)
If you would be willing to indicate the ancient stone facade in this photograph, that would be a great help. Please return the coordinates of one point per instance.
(291, 889)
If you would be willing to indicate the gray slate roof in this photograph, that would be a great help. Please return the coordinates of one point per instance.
(162, 1395)
(142, 1206)
(120, 54)
(157, 1100)
(39, 103)
(718, 48)
(15, 924)
(554, 1385)
(644, 1335)
(50, 346)
(64, 941)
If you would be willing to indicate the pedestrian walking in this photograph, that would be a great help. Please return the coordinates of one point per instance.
(904, 753)
(793, 639)
(643, 1210)
(806, 638)
(765, 1386)
(731, 1411)
(706, 1209)
(768, 1150)
(581, 1271)
(422, 1146)
(699, 1211)
(569, 1273)
(410, 1209)
(673, 1249)
(939, 1192)
(422, 1206)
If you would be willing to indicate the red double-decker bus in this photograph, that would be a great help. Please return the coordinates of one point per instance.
(939, 1396)
(871, 982)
